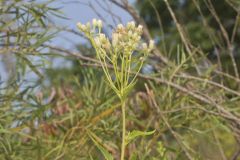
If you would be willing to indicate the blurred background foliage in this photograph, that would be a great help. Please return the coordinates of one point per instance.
(191, 97)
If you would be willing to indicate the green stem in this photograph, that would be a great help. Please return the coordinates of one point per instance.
(123, 103)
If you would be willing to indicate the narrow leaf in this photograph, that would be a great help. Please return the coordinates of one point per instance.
(105, 153)
(134, 134)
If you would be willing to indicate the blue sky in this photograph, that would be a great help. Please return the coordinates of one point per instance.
(78, 12)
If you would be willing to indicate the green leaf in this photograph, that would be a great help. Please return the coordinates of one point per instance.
(43, 39)
(105, 153)
(37, 14)
(134, 134)
(30, 65)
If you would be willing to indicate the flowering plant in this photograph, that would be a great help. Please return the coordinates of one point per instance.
(125, 53)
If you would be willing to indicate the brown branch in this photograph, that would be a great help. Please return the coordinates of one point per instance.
(183, 35)
(225, 35)
(209, 82)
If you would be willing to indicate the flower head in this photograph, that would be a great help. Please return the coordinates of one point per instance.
(140, 29)
(81, 26)
(120, 26)
(94, 22)
(131, 25)
(99, 23)
(97, 41)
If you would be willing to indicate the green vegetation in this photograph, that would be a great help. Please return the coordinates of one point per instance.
(184, 90)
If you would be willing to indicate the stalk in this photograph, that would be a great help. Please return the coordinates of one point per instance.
(123, 104)
(122, 70)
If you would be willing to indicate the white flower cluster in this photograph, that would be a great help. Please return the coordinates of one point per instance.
(125, 39)
(84, 28)
(97, 23)
(102, 41)
(87, 27)
(118, 52)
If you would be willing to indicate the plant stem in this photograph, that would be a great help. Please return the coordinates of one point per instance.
(123, 103)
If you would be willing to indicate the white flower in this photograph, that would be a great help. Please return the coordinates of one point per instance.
(99, 23)
(131, 25)
(107, 45)
(88, 25)
(130, 33)
(136, 36)
(81, 26)
(103, 41)
(102, 37)
(139, 28)
(97, 41)
(115, 38)
(94, 22)
(120, 26)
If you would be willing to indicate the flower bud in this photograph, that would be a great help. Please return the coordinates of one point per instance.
(88, 26)
(120, 26)
(136, 36)
(106, 45)
(99, 23)
(102, 37)
(81, 26)
(97, 41)
(94, 22)
(131, 25)
(139, 28)
(130, 33)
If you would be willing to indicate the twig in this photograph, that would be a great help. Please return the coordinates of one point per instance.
(225, 35)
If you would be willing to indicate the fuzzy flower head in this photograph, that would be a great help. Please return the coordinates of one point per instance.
(82, 27)
(89, 28)
(127, 38)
